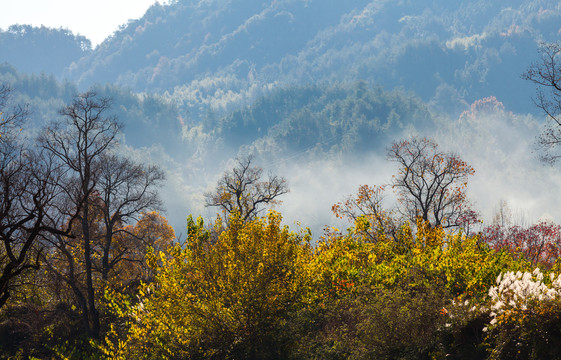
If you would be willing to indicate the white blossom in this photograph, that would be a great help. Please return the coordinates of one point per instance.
(516, 290)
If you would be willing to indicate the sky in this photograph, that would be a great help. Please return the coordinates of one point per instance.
(95, 20)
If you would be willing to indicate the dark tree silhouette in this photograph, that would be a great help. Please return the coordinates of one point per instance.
(28, 191)
(101, 192)
(79, 142)
(245, 190)
(546, 74)
(430, 183)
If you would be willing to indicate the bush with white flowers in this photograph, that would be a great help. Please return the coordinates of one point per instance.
(515, 291)
(524, 315)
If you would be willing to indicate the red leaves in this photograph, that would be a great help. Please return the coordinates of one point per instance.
(539, 243)
(488, 105)
(342, 285)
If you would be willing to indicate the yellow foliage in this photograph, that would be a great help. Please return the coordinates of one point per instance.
(453, 261)
(215, 298)
(231, 291)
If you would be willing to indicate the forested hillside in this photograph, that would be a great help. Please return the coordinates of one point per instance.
(342, 119)
(38, 50)
(197, 82)
(219, 53)
(140, 113)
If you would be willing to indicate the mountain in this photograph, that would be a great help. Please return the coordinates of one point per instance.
(352, 118)
(198, 81)
(220, 54)
(41, 49)
(249, 45)
(141, 114)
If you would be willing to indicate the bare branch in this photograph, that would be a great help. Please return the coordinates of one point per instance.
(546, 74)
(243, 190)
(431, 184)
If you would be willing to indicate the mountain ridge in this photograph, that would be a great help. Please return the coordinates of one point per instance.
(251, 46)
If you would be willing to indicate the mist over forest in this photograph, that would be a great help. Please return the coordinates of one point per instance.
(316, 90)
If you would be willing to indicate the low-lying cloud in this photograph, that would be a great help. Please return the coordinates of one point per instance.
(497, 143)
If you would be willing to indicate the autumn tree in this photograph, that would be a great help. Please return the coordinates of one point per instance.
(131, 243)
(215, 300)
(245, 189)
(430, 183)
(545, 73)
(101, 192)
(367, 213)
(539, 243)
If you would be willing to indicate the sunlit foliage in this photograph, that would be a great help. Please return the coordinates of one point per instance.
(229, 299)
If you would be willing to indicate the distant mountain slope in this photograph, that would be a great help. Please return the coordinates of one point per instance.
(313, 120)
(41, 49)
(174, 44)
(148, 119)
(477, 48)
(341, 119)
(213, 59)
(221, 54)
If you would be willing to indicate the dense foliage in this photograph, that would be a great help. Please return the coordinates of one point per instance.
(257, 290)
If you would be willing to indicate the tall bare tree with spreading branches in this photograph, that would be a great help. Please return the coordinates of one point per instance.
(431, 183)
(245, 190)
(101, 191)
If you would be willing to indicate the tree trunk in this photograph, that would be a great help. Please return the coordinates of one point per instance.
(93, 313)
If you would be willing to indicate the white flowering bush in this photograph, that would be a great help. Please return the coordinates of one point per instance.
(525, 316)
(516, 291)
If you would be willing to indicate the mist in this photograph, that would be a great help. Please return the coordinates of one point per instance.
(497, 143)
(500, 146)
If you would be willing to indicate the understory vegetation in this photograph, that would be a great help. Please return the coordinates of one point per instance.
(256, 290)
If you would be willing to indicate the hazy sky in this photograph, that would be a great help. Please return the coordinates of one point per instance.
(94, 19)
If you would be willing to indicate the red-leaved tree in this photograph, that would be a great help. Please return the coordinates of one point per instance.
(539, 243)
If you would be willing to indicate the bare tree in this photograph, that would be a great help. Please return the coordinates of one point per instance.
(430, 183)
(546, 74)
(79, 142)
(244, 190)
(126, 190)
(101, 191)
(27, 194)
(65, 200)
